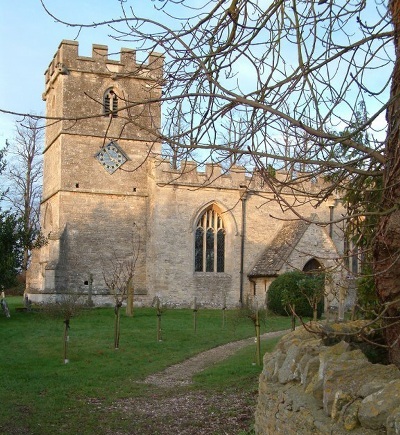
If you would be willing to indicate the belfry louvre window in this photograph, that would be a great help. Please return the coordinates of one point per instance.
(210, 242)
(110, 103)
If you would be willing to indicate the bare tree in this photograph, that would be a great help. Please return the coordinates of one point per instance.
(65, 307)
(118, 274)
(24, 176)
(3, 164)
(173, 149)
(232, 129)
(300, 69)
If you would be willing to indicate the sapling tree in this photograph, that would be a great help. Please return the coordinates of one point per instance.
(289, 301)
(224, 307)
(313, 289)
(195, 310)
(117, 277)
(287, 297)
(65, 307)
(118, 274)
(160, 308)
(251, 310)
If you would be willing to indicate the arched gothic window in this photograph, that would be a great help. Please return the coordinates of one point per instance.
(210, 242)
(110, 103)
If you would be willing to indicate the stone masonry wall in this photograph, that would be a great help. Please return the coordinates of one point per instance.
(178, 197)
(91, 216)
(307, 388)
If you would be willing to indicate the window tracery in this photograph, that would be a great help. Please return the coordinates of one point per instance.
(210, 242)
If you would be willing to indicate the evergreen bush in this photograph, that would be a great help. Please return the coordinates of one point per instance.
(291, 288)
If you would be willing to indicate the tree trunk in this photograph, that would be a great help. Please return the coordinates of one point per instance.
(315, 312)
(387, 244)
(129, 302)
(293, 316)
(117, 323)
(159, 336)
(258, 338)
(66, 340)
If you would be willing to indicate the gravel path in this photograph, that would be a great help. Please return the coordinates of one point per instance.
(181, 374)
(176, 409)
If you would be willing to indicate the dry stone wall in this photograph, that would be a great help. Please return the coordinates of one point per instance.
(307, 388)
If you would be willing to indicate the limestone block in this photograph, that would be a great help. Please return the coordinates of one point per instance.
(340, 400)
(310, 370)
(271, 367)
(393, 422)
(269, 370)
(330, 354)
(350, 415)
(287, 371)
(376, 408)
(344, 376)
(350, 330)
(302, 364)
(287, 341)
(380, 375)
(316, 387)
(296, 359)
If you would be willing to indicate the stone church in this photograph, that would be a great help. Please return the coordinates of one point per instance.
(109, 197)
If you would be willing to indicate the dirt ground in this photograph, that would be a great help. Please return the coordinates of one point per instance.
(174, 409)
(189, 413)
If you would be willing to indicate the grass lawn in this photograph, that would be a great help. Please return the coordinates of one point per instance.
(42, 395)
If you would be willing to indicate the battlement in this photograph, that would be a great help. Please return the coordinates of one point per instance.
(67, 59)
(215, 176)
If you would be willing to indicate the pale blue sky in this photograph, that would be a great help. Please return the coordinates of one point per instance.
(29, 38)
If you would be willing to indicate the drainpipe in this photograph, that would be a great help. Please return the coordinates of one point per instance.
(243, 198)
(331, 208)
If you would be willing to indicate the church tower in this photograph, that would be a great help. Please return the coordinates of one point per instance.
(102, 126)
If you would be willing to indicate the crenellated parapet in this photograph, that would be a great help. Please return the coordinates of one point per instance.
(189, 173)
(81, 89)
(237, 177)
(67, 59)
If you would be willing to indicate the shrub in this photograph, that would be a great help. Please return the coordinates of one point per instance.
(296, 288)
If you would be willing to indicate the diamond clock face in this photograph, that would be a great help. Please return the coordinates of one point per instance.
(111, 157)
